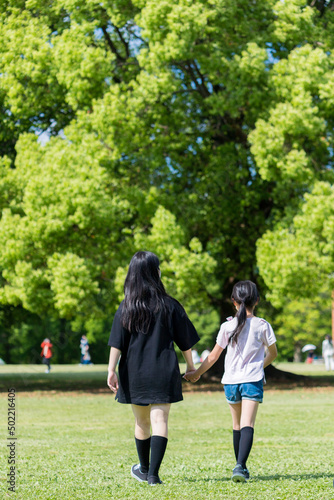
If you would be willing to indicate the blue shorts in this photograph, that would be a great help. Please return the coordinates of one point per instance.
(235, 393)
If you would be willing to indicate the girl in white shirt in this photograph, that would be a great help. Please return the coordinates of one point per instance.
(246, 338)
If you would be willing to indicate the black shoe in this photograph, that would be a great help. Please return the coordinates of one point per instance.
(246, 471)
(138, 474)
(154, 480)
(239, 474)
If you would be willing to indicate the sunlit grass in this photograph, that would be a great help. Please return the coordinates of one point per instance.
(40, 368)
(313, 369)
(80, 445)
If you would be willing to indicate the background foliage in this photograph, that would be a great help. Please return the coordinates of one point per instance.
(201, 130)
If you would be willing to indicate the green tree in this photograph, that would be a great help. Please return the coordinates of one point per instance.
(297, 260)
(187, 271)
(219, 112)
(303, 322)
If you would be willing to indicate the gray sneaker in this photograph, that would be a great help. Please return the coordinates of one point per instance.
(138, 474)
(239, 474)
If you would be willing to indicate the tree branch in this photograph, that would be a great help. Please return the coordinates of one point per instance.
(201, 77)
(112, 45)
(322, 5)
(201, 88)
(125, 43)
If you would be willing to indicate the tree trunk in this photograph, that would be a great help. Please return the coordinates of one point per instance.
(297, 355)
(7, 346)
(62, 342)
(226, 309)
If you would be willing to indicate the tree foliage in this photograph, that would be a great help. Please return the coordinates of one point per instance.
(297, 260)
(303, 322)
(191, 128)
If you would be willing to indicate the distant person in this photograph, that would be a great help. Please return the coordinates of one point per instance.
(246, 338)
(86, 360)
(84, 347)
(46, 354)
(309, 358)
(145, 327)
(328, 353)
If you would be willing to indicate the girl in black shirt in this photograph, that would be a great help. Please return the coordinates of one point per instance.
(145, 326)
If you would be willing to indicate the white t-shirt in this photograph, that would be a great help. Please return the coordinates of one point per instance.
(244, 359)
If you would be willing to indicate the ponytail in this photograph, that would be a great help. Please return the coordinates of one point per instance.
(241, 317)
(246, 295)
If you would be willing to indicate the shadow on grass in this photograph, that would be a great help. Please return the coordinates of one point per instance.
(29, 382)
(208, 480)
(90, 380)
(294, 477)
(275, 477)
(306, 382)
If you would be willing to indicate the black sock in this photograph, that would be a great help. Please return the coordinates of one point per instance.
(236, 440)
(158, 448)
(143, 450)
(245, 445)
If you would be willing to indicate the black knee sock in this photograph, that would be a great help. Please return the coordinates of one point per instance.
(158, 448)
(143, 450)
(236, 440)
(245, 445)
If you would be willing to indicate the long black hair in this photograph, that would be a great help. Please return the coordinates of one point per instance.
(246, 295)
(144, 292)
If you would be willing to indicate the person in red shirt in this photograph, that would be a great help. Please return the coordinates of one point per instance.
(46, 353)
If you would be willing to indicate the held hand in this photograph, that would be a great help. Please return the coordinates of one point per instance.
(191, 376)
(112, 381)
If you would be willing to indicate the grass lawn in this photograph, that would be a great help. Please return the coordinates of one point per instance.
(93, 377)
(79, 445)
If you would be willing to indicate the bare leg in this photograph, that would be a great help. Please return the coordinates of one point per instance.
(159, 422)
(143, 441)
(247, 422)
(243, 417)
(142, 421)
(159, 419)
(235, 410)
(248, 413)
(236, 415)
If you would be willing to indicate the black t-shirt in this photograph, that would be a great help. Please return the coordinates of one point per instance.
(149, 370)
